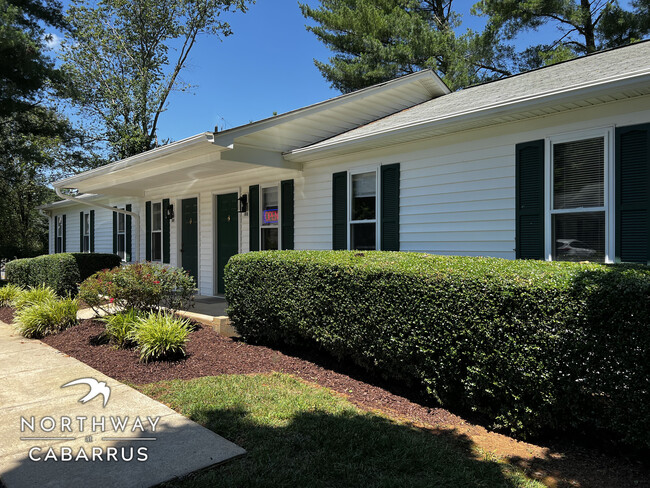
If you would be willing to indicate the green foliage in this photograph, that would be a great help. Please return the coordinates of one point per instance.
(8, 294)
(120, 326)
(37, 143)
(33, 296)
(122, 66)
(161, 335)
(141, 286)
(528, 345)
(375, 41)
(581, 26)
(314, 437)
(46, 317)
(62, 272)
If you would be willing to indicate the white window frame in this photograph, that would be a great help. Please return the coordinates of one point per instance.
(607, 133)
(122, 216)
(86, 233)
(261, 213)
(160, 231)
(58, 224)
(376, 220)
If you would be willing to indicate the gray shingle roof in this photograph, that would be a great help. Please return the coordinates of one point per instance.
(599, 67)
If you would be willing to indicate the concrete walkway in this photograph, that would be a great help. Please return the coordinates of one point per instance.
(153, 445)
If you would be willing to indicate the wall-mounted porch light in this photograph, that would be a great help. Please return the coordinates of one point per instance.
(170, 212)
(243, 203)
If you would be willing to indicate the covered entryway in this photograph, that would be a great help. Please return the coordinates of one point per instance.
(190, 237)
(227, 232)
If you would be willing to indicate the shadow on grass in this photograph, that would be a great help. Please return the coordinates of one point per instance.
(298, 437)
(318, 449)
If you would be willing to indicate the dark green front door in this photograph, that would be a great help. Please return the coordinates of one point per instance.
(189, 237)
(227, 231)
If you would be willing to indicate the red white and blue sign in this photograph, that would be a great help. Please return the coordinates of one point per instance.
(271, 216)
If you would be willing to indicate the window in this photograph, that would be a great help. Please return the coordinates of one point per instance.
(578, 200)
(269, 223)
(363, 211)
(156, 231)
(121, 235)
(86, 233)
(58, 244)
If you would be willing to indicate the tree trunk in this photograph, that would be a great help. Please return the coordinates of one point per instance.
(589, 28)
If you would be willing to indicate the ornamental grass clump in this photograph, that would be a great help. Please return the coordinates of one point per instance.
(161, 335)
(46, 317)
(8, 293)
(33, 296)
(119, 327)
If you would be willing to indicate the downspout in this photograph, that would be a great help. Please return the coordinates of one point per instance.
(112, 209)
(48, 215)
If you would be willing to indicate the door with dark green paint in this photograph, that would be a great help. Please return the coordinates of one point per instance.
(190, 237)
(227, 234)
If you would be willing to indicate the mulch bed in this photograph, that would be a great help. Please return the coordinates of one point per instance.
(209, 354)
(6, 315)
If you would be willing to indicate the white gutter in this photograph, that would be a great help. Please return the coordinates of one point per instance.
(112, 209)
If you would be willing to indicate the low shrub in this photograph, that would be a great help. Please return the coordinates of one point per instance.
(530, 346)
(62, 272)
(32, 296)
(161, 335)
(46, 317)
(141, 286)
(8, 293)
(119, 327)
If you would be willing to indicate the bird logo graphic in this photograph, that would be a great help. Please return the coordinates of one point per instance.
(96, 388)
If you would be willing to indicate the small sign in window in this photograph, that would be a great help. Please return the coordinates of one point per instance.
(271, 216)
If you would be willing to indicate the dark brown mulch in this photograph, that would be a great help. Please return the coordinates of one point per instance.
(210, 354)
(6, 315)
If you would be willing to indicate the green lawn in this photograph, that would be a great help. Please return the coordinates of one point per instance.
(303, 435)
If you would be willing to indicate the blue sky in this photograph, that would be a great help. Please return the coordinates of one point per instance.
(265, 66)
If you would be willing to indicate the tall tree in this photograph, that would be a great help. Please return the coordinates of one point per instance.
(377, 40)
(36, 142)
(124, 58)
(582, 26)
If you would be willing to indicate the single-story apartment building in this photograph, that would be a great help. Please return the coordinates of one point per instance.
(550, 164)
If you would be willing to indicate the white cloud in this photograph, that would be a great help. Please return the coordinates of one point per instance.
(53, 41)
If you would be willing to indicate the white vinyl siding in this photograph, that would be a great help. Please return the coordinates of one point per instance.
(457, 193)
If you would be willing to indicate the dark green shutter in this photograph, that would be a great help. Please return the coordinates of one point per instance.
(81, 232)
(148, 229)
(340, 210)
(92, 231)
(529, 176)
(115, 217)
(633, 194)
(286, 213)
(128, 236)
(63, 236)
(165, 236)
(254, 217)
(390, 207)
(56, 234)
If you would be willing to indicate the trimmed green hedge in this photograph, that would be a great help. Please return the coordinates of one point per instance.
(62, 272)
(528, 345)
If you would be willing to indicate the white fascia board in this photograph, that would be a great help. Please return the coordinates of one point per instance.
(182, 145)
(640, 79)
(89, 197)
(227, 137)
